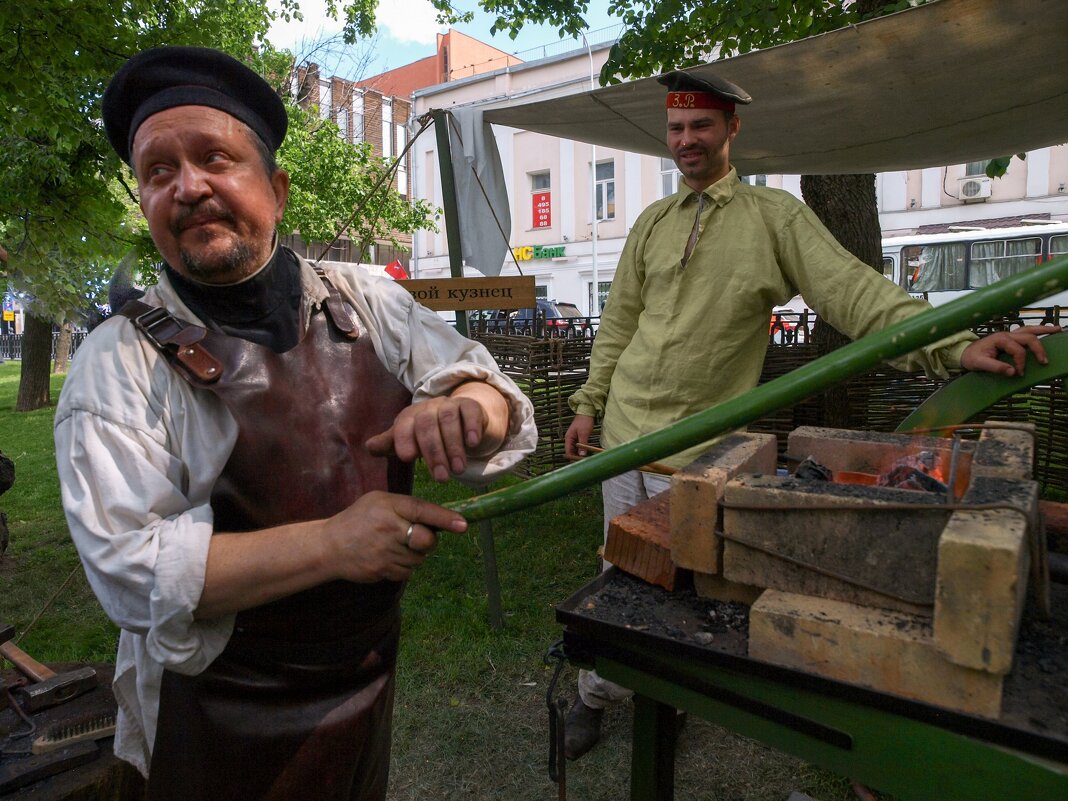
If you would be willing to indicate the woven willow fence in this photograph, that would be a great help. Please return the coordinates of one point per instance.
(549, 370)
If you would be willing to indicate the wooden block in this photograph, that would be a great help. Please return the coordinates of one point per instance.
(887, 651)
(1005, 453)
(639, 542)
(983, 562)
(697, 489)
(709, 585)
(776, 539)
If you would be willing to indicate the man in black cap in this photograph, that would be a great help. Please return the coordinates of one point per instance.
(234, 450)
(686, 323)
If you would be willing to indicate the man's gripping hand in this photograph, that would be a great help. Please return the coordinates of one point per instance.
(471, 421)
(578, 434)
(982, 355)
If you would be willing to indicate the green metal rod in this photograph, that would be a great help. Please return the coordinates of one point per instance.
(816, 376)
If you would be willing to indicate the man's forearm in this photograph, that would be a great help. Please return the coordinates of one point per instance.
(251, 568)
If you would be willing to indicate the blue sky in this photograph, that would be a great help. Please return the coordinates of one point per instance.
(407, 31)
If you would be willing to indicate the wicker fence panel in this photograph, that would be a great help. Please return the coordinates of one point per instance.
(549, 370)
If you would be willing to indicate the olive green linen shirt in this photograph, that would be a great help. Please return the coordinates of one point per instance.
(676, 340)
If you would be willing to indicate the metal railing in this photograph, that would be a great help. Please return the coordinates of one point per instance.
(539, 327)
(11, 344)
(558, 48)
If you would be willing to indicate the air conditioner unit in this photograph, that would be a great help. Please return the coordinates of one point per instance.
(973, 188)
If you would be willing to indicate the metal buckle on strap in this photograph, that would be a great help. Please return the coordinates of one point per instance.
(153, 318)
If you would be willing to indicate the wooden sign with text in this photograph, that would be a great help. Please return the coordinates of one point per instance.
(453, 294)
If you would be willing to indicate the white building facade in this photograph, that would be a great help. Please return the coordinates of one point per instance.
(554, 190)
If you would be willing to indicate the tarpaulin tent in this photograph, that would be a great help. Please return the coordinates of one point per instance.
(947, 82)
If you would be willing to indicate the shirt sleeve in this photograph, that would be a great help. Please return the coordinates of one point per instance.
(619, 321)
(431, 359)
(142, 539)
(853, 297)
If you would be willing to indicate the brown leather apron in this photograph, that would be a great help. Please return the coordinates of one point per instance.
(299, 704)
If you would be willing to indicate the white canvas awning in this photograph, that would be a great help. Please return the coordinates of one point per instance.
(944, 83)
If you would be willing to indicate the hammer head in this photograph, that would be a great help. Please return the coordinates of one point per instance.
(61, 687)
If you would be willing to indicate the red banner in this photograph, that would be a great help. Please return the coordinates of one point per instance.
(541, 212)
(396, 271)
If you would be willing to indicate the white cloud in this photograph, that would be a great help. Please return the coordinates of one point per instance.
(402, 20)
(409, 20)
(315, 26)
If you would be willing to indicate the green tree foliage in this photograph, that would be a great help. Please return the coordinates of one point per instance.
(68, 207)
(60, 214)
(334, 184)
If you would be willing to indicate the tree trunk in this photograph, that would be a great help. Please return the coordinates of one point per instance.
(36, 361)
(63, 348)
(847, 205)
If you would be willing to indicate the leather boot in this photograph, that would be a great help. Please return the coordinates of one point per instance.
(582, 729)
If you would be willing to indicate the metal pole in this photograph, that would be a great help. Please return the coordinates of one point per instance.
(448, 199)
(456, 269)
(595, 300)
(489, 568)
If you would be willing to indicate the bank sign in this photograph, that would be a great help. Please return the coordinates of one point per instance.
(529, 252)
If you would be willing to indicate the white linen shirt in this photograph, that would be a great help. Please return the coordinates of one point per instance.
(139, 451)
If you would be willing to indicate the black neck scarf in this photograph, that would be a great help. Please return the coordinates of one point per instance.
(264, 309)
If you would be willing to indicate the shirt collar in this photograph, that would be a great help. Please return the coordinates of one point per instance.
(720, 193)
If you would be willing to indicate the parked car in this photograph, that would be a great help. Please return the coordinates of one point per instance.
(783, 327)
(555, 318)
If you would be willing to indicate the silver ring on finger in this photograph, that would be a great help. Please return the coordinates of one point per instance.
(408, 536)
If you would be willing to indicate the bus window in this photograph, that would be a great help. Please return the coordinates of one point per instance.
(888, 268)
(1058, 245)
(992, 261)
(935, 267)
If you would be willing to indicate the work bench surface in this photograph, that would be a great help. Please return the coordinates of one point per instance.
(617, 611)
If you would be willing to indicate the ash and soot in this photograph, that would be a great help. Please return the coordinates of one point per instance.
(681, 615)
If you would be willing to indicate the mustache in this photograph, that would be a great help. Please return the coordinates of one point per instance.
(206, 208)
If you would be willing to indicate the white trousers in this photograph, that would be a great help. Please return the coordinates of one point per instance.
(619, 495)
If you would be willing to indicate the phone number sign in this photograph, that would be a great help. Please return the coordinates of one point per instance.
(541, 209)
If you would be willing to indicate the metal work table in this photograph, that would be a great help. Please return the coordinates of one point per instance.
(664, 651)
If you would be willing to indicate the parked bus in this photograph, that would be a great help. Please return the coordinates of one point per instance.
(941, 267)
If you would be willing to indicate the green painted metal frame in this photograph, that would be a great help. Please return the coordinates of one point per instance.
(911, 759)
(963, 398)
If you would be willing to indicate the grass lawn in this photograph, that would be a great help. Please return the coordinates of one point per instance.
(471, 720)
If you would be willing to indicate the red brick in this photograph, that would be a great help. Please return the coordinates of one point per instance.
(639, 542)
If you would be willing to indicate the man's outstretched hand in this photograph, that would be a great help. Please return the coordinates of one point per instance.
(444, 431)
(982, 355)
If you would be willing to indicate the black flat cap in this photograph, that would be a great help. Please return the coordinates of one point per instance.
(164, 77)
(679, 81)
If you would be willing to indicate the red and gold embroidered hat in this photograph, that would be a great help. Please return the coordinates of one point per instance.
(709, 91)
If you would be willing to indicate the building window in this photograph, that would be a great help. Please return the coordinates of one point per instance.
(755, 180)
(976, 167)
(325, 100)
(402, 160)
(606, 190)
(602, 294)
(387, 128)
(669, 178)
(539, 181)
(343, 123)
(357, 117)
